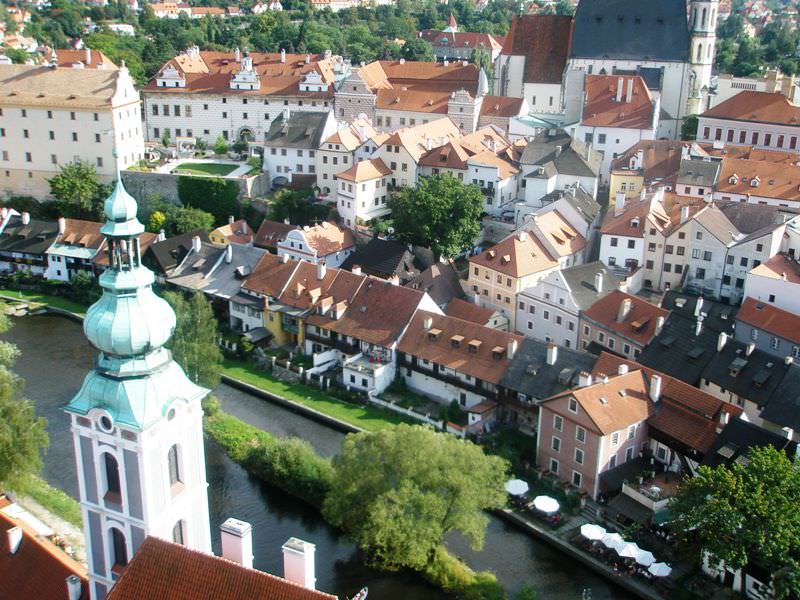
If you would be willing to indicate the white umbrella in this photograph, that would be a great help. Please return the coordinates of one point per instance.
(546, 504)
(612, 540)
(660, 569)
(516, 487)
(592, 532)
(645, 558)
(627, 550)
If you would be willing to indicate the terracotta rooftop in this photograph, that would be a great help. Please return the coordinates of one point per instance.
(238, 232)
(365, 170)
(85, 234)
(414, 139)
(761, 107)
(350, 137)
(631, 221)
(68, 57)
(501, 106)
(780, 266)
(270, 233)
(463, 346)
(38, 569)
(613, 405)
(468, 311)
(657, 160)
(617, 101)
(328, 237)
(161, 569)
(544, 41)
(305, 288)
(639, 324)
(270, 275)
(562, 236)
(517, 255)
(760, 178)
(771, 319)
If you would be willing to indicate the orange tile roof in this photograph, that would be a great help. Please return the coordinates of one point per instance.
(630, 222)
(504, 167)
(474, 355)
(350, 137)
(238, 232)
(600, 108)
(414, 139)
(270, 275)
(771, 319)
(365, 170)
(450, 156)
(305, 289)
(613, 405)
(780, 266)
(517, 255)
(640, 323)
(468, 311)
(68, 57)
(414, 100)
(761, 107)
(661, 159)
(82, 233)
(328, 237)
(39, 568)
(501, 106)
(775, 180)
(161, 569)
(270, 233)
(410, 72)
(544, 40)
(562, 236)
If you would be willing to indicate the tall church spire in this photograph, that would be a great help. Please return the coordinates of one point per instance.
(137, 420)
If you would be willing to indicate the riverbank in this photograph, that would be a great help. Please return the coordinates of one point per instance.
(38, 300)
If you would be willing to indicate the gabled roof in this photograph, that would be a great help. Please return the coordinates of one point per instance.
(760, 107)
(517, 255)
(327, 238)
(562, 153)
(781, 266)
(414, 139)
(767, 179)
(501, 106)
(305, 288)
(771, 319)
(713, 220)
(161, 569)
(85, 234)
(164, 256)
(303, 129)
(631, 220)
(440, 281)
(614, 404)
(631, 29)
(69, 56)
(581, 281)
(238, 232)
(270, 275)
(699, 172)
(460, 39)
(270, 233)
(468, 311)
(350, 137)
(365, 170)
(638, 325)
(34, 238)
(530, 374)
(544, 41)
(25, 85)
(754, 376)
(383, 258)
(561, 237)
(733, 444)
(463, 346)
(660, 160)
(634, 110)
(210, 272)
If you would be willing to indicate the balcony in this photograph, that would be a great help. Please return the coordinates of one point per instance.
(654, 492)
(451, 379)
(346, 347)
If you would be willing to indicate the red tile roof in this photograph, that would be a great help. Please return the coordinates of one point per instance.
(544, 41)
(461, 39)
(601, 108)
(468, 311)
(39, 569)
(161, 569)
(630, 222)
(270, 275)
(501, 106)
(517, 255)
(270, 233)
(771, 319)
(761, 107)
(640, 323)
(780, 266)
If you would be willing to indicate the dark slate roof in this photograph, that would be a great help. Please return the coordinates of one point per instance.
(581, 200)
(716, 315)
(530, 374)
(631, 29)
(753, 377)
(383, 258)
(698, 172)
(162, 257)
(440, 281)
(783, 408)
(752, 218)
(556, 149)
(738, 437)
(302, 130)
(581, 280)
(34, 238)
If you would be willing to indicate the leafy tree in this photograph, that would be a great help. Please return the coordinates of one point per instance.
(200, 145)
(23, 435)
(84, 288)
(441, 213)
(17, 55)
(187, 219)
(399, 491)
(220, 146)
(240, 146)
(297, 206)
(78, 191)
(418, 49)
(746, 512)
(481, 58)
(194, 343)
(165, 138)
(689, 127)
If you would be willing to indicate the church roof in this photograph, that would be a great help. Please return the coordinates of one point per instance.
(631, 30)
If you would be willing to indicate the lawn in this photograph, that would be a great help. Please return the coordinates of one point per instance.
(38, 298)
(366, 417)
(53, 499)
(216, 169)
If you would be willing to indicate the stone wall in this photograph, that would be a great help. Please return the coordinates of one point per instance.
(142, 184)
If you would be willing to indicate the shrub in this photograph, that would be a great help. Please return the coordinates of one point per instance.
(220, 146)
(453, 575)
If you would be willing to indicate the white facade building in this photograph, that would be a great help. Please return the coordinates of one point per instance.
(362, 192)
(327, 243)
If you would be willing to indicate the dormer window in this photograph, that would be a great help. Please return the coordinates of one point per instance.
(755, 181)
(733, 179)
(455, 341)
(635, 222)
(474, 346)
(497, 352)
(433, 334)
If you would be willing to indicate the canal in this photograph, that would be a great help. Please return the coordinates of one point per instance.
(55, 358)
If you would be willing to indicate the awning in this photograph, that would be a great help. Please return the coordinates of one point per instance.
(258, 334)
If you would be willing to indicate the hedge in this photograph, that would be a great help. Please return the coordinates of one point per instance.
(215, 195)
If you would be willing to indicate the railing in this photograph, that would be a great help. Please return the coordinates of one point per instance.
(654, 504)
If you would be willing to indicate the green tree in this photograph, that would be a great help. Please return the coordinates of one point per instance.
(689, 127)
(441, 213)
(78, 191)
(23, 435)
(17, 55)
(481, 58)
(194, 343)
(157, 221)
(746, 513)
(297, 206)
(418, 49)
(399, 491)
(187, 219)
(165, 138)
(220, 146)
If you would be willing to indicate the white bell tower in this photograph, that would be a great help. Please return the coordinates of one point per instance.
(703, 35)
(137, 419)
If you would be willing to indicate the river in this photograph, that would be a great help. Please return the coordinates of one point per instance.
(56, 356)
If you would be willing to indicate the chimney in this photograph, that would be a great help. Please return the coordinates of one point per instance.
(74, 587)
(619, 203)
(298, 563)
(749, 349)
(624, 310)
(14, 539)
(659, 325)
(87, 56)
(162, 235)
(284, 258)
(598, 282)
(26, 217)
(655, 388)
(698, 327)
(584, 379)
(62, 225)
(322, 270)
(429, 144)
(308, 58)
(237, 542)
(552, 354)
(427, 323)
(721, 341)
(698, 307)
(3, 212)
(283, 55)
(446, 62)
(622, 369)
(684, 214)
(620, 83)
(196, 245)
(511, 349)
(228, 253)
(362, 133)
(788, 360)
(394, 279)
(355, 269)
(237, 55)
(629, 95)
(402, 61)
(230, 219)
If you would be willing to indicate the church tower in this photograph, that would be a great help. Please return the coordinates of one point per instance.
(703, 35)
(137, 420)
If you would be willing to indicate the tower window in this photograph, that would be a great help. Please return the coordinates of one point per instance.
(113, 489)
(173, 460)
(119, 550)
(177, 533)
